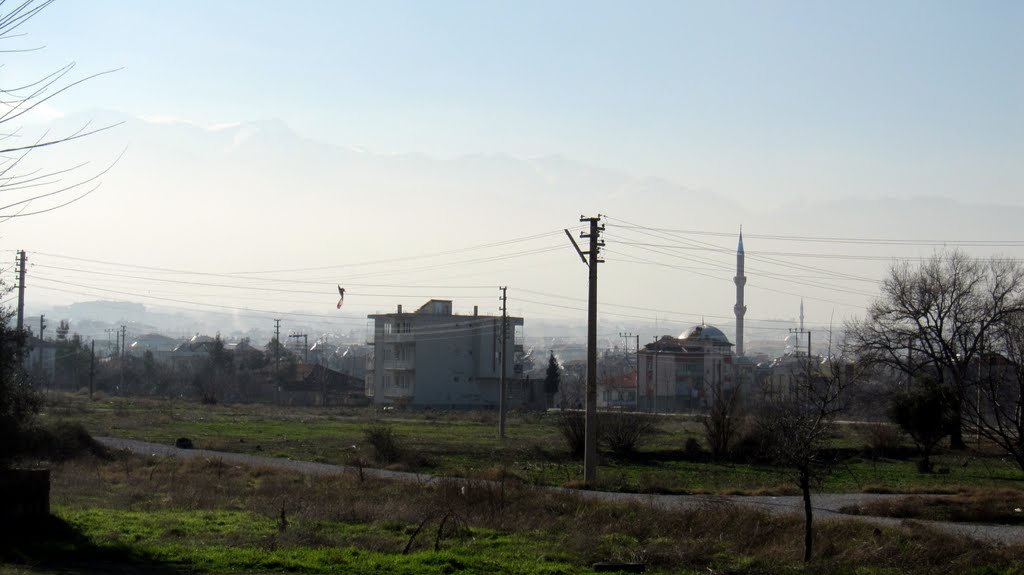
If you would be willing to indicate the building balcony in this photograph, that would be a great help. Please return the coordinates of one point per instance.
(400, 364)
(404, 337)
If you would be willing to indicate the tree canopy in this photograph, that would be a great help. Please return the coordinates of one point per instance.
(553, 376)
(935, 320)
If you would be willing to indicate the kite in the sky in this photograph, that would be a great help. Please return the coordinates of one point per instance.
(341, 300)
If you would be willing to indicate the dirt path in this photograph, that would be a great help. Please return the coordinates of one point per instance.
(826, 506)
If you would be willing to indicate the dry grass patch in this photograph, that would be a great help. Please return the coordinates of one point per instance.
(1002, 506)
(499, 514)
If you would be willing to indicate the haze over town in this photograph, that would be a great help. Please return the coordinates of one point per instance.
(573, 287)
(409, 152)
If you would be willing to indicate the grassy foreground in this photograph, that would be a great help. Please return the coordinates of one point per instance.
(465, 444)
(166, 515)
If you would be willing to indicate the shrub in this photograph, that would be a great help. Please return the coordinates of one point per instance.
(619, 433)
(753, 446)
(882, 440)
(384, 441)
(693, 450)
(19, 402)
(63, 441)
(925, 414)
(622, 433)
(573, 427)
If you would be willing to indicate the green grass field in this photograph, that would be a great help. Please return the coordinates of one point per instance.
(132, 514)
(466, 444)
(136, 514)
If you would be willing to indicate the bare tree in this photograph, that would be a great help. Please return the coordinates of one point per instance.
(998, 406)
(721, 422)
(796, 426)
(22, 183)
(932, 321)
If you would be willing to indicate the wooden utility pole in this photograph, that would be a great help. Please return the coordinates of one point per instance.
(625, 353)
(21, 290)
(305, 343)
(502, 384)
(277, 360)
(799, 332)
(42, 328)
(92, 367)
(636, 405)
(654, 398)
(121, 362)
(590, 448)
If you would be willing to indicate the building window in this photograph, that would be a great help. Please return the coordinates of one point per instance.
(388, 328)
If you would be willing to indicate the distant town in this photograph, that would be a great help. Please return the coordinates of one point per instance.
(431, 356)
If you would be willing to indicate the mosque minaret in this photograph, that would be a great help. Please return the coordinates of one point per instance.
(739, 308)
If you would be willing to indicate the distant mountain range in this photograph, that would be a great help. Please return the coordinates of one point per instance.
(257, 196)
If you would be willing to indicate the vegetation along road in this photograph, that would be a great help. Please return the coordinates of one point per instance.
(825, 505)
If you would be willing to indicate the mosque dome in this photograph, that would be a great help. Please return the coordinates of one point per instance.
(707, 333)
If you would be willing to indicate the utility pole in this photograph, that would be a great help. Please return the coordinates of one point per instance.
(657, 352)
(92, 367)
(42, 327)
(501, 381)
(109, 331)
(21, 290)
(625, 351)
(590, 449)
(626, 337)
(121, 362)
(800, 331)
(277, 359)
(636, 397)
(305, 339)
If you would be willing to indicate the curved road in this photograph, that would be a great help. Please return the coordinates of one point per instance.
(825, 505)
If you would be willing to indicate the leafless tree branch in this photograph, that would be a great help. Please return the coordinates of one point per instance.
(23, 184)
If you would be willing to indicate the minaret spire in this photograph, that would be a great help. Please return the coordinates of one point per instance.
(740, 309)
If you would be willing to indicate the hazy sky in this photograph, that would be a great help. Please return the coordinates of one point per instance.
(762, 104)
(760, 101)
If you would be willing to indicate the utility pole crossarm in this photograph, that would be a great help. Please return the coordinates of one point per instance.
(577, 246)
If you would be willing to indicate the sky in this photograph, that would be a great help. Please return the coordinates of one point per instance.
(762, 104)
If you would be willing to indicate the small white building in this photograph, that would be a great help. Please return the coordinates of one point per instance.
(434, 358)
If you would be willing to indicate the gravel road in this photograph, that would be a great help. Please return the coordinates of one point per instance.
(825, 505)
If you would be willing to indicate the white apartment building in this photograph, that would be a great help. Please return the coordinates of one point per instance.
(434, 358)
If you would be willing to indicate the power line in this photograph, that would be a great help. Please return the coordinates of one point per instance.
(827, 239)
